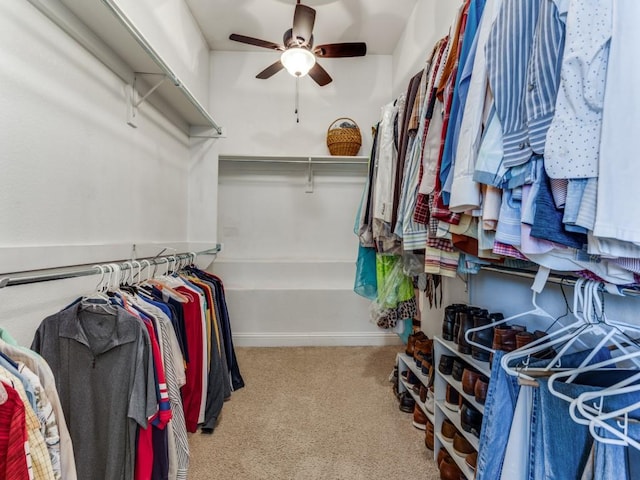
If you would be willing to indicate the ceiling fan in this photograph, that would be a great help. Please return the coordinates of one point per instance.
(299, 56)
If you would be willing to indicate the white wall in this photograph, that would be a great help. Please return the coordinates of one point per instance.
(276, 237)
(170, 27)
(259, 114)
(78, 185)
(429, 22)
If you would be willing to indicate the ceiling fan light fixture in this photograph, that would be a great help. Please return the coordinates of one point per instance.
(298, 61)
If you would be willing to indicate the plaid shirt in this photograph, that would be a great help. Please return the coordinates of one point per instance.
(421, 210)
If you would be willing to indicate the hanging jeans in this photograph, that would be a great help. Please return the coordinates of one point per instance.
(617, 462)
(553, 430)
(499, 413)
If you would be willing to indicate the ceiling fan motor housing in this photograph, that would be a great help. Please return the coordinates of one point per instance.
(289, 41)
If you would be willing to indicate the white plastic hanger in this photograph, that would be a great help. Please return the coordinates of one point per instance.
(537, 287)
(583, 398)
(566, 335)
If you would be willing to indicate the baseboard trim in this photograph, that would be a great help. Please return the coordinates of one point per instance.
(314, 339)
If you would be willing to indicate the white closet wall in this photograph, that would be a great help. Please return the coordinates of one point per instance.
(78, 184)
(288, 256)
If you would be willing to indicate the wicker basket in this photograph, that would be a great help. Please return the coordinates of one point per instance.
(344, 141)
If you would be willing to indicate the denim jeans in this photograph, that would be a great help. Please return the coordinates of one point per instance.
(499, 408)
(555, 431)
(617, 462)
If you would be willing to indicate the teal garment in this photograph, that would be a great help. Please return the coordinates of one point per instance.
(366, 284)
(4, 335)
(407, 326)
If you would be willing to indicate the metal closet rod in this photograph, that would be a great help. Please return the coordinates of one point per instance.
(569, 280)
(73, 271)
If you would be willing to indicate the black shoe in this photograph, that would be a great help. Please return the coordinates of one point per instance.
(470, 419)
(458, 369)
(407, 403)
(446, 364)
(449, 320)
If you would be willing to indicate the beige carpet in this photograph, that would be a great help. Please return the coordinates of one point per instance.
(313, 413)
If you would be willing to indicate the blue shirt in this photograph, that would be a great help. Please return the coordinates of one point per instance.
(508, 51)
(474, 15)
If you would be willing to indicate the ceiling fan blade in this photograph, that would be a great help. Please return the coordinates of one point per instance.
(337, 50)
(303, 20)
(270, 70)
(320, 75)
(255, 41)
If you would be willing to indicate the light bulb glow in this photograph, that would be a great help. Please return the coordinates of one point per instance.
(298, 61)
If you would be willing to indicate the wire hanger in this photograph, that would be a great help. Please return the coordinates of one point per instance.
(537, 287)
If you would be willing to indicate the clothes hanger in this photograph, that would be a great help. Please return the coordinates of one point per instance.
(583, 398)
(538, 285)
(98, 299)
(594, 322)
(565, 335)
(162, 283)
(624, 439)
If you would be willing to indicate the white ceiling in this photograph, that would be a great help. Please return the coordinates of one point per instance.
(378, 23)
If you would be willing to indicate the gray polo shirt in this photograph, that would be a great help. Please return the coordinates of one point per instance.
(105, 379)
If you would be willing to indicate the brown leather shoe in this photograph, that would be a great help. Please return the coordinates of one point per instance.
(419, 418)
(448, 430)
(524, 338)
(442, 454)
(449, 470)
(411, 342)
(480, 389)
(423, 393)
(469, 378)
(461, 445)
(429, 436)
(452, 399)
(423, 350)
(472, 460)
(504, 338)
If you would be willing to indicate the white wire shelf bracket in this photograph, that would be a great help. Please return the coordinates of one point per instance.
(103, 29)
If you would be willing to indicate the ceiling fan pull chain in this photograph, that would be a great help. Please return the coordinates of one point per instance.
(297, 99)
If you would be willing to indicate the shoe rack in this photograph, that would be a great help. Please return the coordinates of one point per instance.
(405, 362)
(444, 347)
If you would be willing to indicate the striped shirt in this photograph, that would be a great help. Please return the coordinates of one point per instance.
(543, 76)
(508, 51)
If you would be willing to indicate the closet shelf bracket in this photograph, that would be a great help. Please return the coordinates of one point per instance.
(133, 102)
(309, 188)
